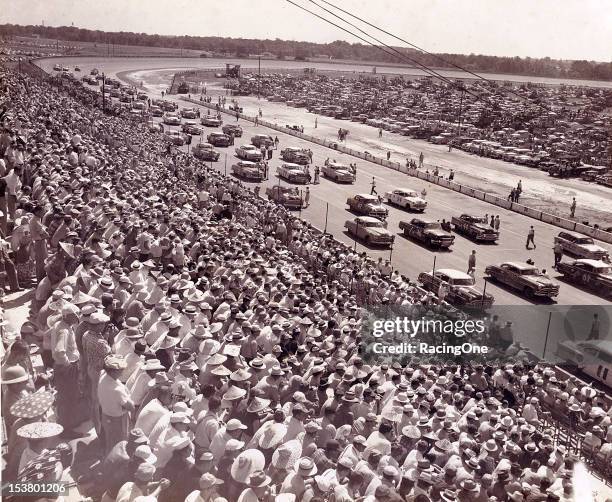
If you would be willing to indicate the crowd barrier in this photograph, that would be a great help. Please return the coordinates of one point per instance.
(437, 180)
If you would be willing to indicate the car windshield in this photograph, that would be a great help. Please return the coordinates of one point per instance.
(407, 194)
(468, 281)
(433, 225)
(377, 224)
(530, 271)
(584, 240)
(604, 270)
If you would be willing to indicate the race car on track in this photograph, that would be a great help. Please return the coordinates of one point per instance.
(189, 113)
(524, 278)
(262, 139)
(407, 199)
(428, 232)
(218, 139)
(171, 118)
(251, 171)
(371, 230)
(248, 152)
(295, 155)
(211, 121)
(367, 205)
(205, 151)
(286, 196)
(580, 246)
(234, 129)
(594, 274)
(338, 172)
(177, 138)
(461, 289)
(191, 127)
(293, 173)
(475, 227)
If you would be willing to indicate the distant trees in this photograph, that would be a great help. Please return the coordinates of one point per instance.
(241, 47)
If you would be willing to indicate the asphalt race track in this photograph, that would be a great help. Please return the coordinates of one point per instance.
(409, 257)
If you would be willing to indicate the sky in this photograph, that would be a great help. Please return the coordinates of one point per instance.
(560, 29)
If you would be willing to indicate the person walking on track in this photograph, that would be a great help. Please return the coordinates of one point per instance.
(530, 238)
(472, 263)
(373, 190)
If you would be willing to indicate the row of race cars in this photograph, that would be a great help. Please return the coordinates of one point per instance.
(590, 266)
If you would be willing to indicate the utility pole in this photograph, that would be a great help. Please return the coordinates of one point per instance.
(259, 76)
(103, 95)
(460, 113)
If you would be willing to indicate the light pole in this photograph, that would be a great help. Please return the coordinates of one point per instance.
(103, 94)
(326, 211)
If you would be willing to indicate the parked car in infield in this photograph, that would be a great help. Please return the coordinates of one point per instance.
(286, 196)
(218, 139)
(524, 278)
(211, 121)
(191, 127)
(262, 139)
(428, 232)
(367, 205)
(189, 113)
(94, 71)
(371, 230)
(475, 227)
(205, 151)
(462, 291)
(580, 246)
(594, 274)
(248, 152)
(407, 199)
(338, 172)
(156, 111)
(234, 129)
(250, 171)
(293, 173)
(295, 155)
(171, 118)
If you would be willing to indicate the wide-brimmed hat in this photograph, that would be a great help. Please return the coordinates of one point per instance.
(306, 467)
(448, 495)
(272, 435)
(246, 463)
(491, 445)
(160, 380)
(40, 430)
(114, 362)
(14, 374)
(234, 393)
(258, 404)
(258, 479)
(287, 454)
(469, 485)
(32, 405)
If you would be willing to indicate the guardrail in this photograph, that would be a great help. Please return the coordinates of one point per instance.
(436, 180)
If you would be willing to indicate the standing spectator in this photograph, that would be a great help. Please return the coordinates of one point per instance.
(558, 252)
(115, 402)
(373, 185)
(573, 207)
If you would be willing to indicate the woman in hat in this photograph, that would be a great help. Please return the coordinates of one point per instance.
(16, 383)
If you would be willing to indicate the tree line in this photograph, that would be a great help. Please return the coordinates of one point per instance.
(288, 49)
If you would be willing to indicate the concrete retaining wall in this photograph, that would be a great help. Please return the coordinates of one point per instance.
(498, 201)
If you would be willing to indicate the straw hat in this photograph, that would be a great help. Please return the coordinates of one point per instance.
(258, 404)
(272, 435)
(287, 454)
(306, 467)
(40, 430)
(234, 393)
(209, 480)
(246, 463)
(14, 374)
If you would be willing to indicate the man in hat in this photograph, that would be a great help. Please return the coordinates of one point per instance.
(115, 402)
(208, 489)
(258, 488)
(117, 466)
(142, 487)
(66, 369)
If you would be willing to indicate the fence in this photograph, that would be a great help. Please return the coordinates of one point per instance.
(436, 180)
